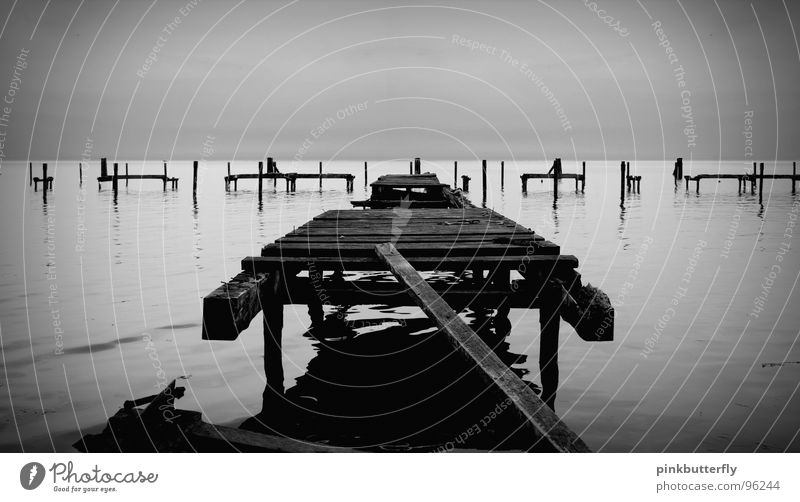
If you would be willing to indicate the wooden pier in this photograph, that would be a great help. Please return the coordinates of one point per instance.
(478, 249)
(115, 178)
(291, 178)
(757, 176)
(555, 175)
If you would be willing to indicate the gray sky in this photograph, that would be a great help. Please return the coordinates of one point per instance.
(249, 79)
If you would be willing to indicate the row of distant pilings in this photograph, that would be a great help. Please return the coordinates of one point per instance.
(628, 183)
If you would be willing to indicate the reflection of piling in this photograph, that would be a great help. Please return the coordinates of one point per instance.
(761, 184)
(483, 178)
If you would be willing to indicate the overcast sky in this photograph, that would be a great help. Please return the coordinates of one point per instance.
(389, 79)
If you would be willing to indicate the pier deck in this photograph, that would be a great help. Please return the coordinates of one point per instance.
(476, 250)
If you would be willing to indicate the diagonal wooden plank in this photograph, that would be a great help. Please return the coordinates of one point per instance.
(529, 405)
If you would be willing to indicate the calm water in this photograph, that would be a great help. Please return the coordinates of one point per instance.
(694, 364)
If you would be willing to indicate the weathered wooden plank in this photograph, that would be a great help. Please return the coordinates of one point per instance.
(442, 249)
(262, 264)
(528, 404)
(228, 310)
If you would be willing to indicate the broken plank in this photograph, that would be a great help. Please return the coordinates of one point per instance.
(228, 310)
(528, 404)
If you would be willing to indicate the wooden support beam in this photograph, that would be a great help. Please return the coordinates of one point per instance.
(272, 306)
(546, 423)
(228, 310)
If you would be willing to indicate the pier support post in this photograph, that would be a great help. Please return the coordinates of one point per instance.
(320, 176)
(30, 173)
(622, 184)
(194, 179)
(228, 179)
(556, 172)
(761, 183)
(687, 183)
(44, 179)
(628, 175)
(103, 167)
(261, 179)
(697, 184)
(502, 174)
(755, 177)
(114, 180)
(794, 175)
(80, 173)
(465, 182)
(549, 319)
(483, 179)
(165, 176)
(272, 308)
(365, 175)
(455, 174)
(417, 165)
(315, 310)
(524, 184)
(410, 167)
(126, 174)
(583, 176)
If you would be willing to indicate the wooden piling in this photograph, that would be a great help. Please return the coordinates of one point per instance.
(628, 175)
(261, 179)
(483, 179)
(502, 174)
(549, 319)
(80, 173)
(365, 175)
(44, 179)
(320, 176)
(30, 173)
(194, 179)
(556, 172)
(410, 167)
(417, 165)
(761, 184)
(465, 182)
(126, 174)
(583, 176)
(103, 167)
(755, 176)
(228, 179)
(794, 174)
(165, 176)
(455, 173)
(272, 307)
(622, 184)
(115, 179)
